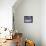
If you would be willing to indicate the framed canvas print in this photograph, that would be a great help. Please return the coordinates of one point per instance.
(28, 19)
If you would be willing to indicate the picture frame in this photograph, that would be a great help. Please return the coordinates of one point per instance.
(28, 19)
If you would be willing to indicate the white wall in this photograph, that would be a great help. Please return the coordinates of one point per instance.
(6, 13)
(43, 22)
(30, 30)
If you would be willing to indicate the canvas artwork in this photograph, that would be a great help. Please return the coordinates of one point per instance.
(28, 19)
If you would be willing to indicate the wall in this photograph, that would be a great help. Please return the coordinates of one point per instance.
(29, 30)
(43, 22)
